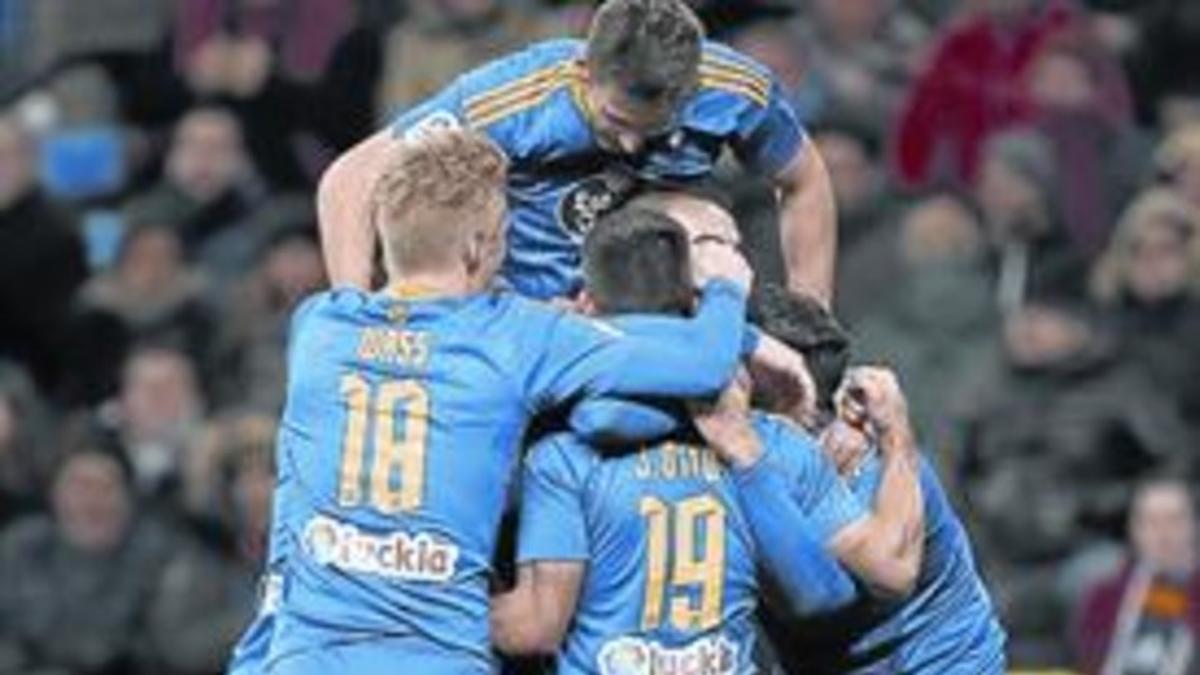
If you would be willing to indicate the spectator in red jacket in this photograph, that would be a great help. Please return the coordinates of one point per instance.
(1146, 619)
(975, 85)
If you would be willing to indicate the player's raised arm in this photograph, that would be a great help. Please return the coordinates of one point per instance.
(348, 237)
(552, 551)
(347, 234)
(808, 224)
(771, 141)
(810, 579)
(888, 544)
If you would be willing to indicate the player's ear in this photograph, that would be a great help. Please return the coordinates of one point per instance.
(475, 251)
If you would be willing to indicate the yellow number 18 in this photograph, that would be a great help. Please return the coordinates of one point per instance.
(389, 492)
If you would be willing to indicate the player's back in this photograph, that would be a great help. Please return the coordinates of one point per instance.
(947, 626)
(670, 584)
(387, 399)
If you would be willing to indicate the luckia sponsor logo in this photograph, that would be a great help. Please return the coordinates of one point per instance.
(396, 555)
(713, 655)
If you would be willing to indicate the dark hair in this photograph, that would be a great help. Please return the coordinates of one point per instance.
(651, 48)
(803, 324)
(636, 261)
(706, 189)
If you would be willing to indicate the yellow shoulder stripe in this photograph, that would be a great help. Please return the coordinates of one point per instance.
(508, 87)
(756, 83)
(523, 98)
(712, 80)
(715, 62)
(485, 104)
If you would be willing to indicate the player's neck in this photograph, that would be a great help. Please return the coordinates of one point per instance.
(428, 286)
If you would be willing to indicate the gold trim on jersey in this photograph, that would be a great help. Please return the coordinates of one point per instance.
(718, 73)
(521, 94)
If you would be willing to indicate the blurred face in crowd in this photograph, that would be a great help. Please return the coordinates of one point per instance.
(293, 268)
(1159, 262)
(940, 228)
(159, 394)
(1012, 204)
(466, 9)
(1163, 527)
(17, 163)
(850, 170)
(853, 18)
(206, 156)
(1187, 180)
(1062, 81)
(1036, 335)
(151, 262)
(91, 502)
(253, 486)
(774, 45)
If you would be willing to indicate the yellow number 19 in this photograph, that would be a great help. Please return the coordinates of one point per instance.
(704, 568)
(404, 455)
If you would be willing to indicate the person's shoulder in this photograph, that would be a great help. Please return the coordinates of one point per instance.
(772, 425)
(730, 77)
(530, 312)
(521, 83)
(563, 455)
(331, 303)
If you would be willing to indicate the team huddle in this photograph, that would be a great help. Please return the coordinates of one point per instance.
(563, 332)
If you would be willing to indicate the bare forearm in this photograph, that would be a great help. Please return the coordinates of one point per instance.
(343, 199)
(515, 627)
(533, 618)
(808, 227)
(899, 509)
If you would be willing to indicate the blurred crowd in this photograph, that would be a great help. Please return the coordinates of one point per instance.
(1018, 184)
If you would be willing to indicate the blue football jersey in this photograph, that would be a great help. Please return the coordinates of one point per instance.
(947, 626)
(672, 565)
(531, 104)
(396, 448)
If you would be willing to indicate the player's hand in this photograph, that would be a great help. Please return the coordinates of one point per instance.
(870, 399)
(712, 259)
(845, 446)
(726, 425)
(783, 374)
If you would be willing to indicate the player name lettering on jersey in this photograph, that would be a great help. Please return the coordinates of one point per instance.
(711, 655)
(396, 555)
(672, 461)
(396, 347)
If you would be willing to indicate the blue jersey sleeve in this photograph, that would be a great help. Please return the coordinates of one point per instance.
(442, 111)
(814, 484)
(589, 358)
(553, 523)
(610, 421)
(812, 581)
(769, 137)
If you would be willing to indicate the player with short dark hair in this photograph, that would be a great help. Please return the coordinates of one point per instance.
(948, 624)
(651, 542)
(644, 98)
(628, 264)
(644, 599)
(404, 416)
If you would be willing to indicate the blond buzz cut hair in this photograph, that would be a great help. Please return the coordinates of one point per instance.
(434, 194)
